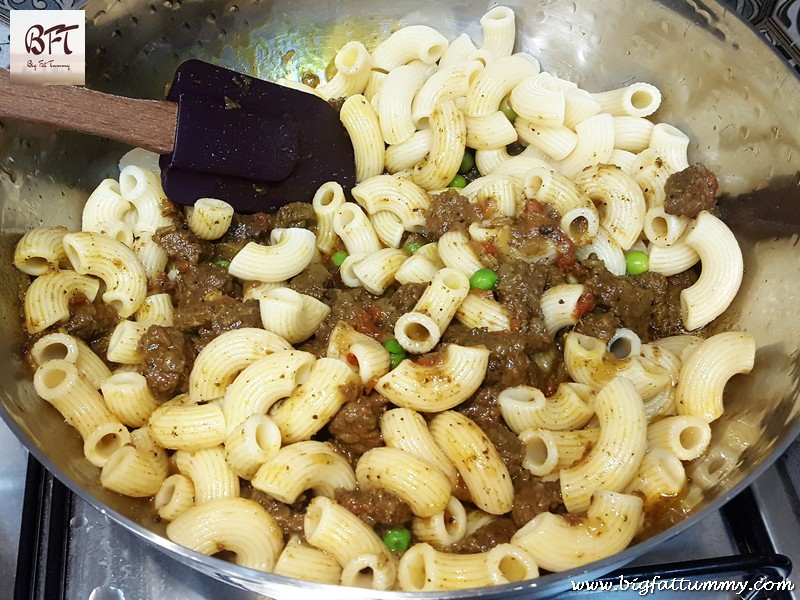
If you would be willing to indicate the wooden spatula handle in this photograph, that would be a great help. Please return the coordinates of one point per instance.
(146, 124)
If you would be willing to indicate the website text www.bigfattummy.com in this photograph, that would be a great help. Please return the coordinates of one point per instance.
(655, 584)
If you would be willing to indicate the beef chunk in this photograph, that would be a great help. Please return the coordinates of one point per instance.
(629, 298)
(533, 497)
(90, 320)
(649, 304)
(450, 211)
(295, 214)
(249, 228)
(346, 451)
(536, 230)
(509, 362)
(497, 531)
(601, 325)
(168, 360)
(519, 288)
(202, 283)
(218, 316)
(182, 245)
(372, 315)
(207, 303)
(531, 232)
(690, 191)
(337, 103)
(357, 424)
(288, 516)
(508, 445)
(405, 299)
(375, 507)
(666, 317)
(368, 314)
(482, 407)
(313, 281)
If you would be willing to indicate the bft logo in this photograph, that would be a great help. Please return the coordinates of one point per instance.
(39, 40)
(48, 47)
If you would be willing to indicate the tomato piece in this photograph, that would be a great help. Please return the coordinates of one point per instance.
(489, 248)
(585, 304)
(533, 205)
(428, 360)
(78, 299)
(366, 324)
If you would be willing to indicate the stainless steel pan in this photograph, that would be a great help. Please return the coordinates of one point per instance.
(721, 84)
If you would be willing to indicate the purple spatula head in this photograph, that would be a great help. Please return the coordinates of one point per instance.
(255, 144)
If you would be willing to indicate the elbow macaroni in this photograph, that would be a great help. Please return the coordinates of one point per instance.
(559, 544)
(307, 465)
(59, 383)
(226, 356)
(407, 430)
(209, 218)
(238, 525)
(40, 250)
(329, 384)
(451, 379)
(113, 262)
(720, 275)
(615, 458)
(448, 140)
(72, 349)
(708, 368)
(419, 331)
(262, 383)
(418, 482)
(425, 569)
(476, 459)
(290, 251)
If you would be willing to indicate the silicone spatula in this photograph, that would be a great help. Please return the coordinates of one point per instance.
(221, 134)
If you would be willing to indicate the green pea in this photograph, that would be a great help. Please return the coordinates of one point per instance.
(467, 162)
(393, 346)
(395, 358)
(397, 540)
(224, 263)
(505, 107)
(636, 262)
(459, 181)
(483, 279)
(338, 258)
(412, 247)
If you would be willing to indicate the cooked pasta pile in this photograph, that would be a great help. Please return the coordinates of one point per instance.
(566, 183)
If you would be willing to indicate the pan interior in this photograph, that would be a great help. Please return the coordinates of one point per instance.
(721, 85)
